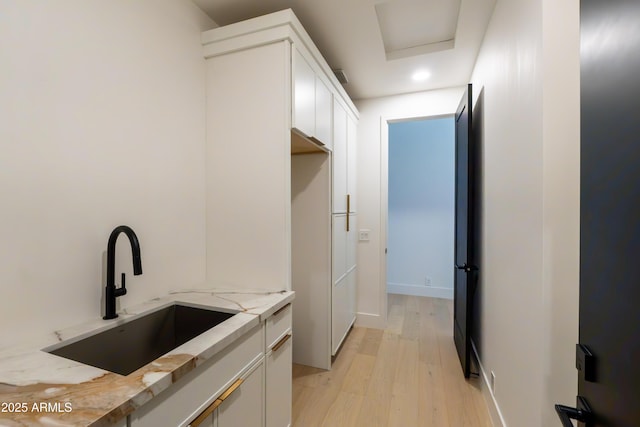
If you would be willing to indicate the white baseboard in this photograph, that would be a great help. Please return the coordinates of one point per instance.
(368, 320)
(420, 291)
(494, 410)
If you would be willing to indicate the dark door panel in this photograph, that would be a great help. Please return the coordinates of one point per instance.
(610, 211)
(464, 259)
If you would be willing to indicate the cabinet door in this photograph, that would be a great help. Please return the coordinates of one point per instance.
(278, 390)
(352, 137)
(343, 313)
(351, 242)
(343, 290)
(343, 283)
(344, 245)
(350, 308)
(339, 158)
(339, 247)
(304, 95)
(339, 315)
(245, 406)
(324, 102)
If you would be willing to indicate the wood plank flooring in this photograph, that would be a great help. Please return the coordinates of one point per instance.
(407, 375)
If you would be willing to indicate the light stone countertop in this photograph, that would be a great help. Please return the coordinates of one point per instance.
(41, 389)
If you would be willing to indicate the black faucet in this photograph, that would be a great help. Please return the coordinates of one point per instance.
(111, 293)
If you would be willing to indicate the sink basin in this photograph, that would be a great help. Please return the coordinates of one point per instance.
(127, 347)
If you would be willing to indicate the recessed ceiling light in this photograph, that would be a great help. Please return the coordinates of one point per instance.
(421, 75)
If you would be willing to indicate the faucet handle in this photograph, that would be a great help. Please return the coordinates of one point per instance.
(122, 290)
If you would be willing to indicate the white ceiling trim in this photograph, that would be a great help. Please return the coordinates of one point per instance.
(420, 50)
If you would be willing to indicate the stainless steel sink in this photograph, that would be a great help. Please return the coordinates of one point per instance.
(129, 346)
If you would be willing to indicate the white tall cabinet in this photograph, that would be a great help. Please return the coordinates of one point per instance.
(344, 220)
(280, 144)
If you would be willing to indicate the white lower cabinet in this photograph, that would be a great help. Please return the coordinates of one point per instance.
(193, 394)
(248, 384)
(339, 247)
(343, 290)
(343, 314)
(245, 405)
(240, 405)
(278, 364)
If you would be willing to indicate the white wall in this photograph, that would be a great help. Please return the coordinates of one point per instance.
(372, 187)
(528, 70)
(102, 110)
(421, 207)
(561, 202)
(509, 71)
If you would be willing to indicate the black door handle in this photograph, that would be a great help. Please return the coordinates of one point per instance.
(582, 413)
(466, 268)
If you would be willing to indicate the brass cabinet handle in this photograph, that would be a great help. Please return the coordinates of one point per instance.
(348, 209)
(280, 310)
(281, 343)
(231, 389)
(203, 416)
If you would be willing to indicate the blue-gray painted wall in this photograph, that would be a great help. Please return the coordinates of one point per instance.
(421, 203)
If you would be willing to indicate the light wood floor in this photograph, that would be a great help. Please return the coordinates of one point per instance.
(407, 375)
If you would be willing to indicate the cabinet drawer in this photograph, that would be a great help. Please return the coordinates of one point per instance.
(278, 384)
(278, 324)
(194, 392)
(240, 405)
(245, 407)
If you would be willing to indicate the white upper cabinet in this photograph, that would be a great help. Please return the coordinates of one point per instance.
(304, 95)
(339, 158)
(351, 163)
(344, 160)
(311, 102)
(323, 114)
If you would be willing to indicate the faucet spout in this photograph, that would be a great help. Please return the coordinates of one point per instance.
(111, 293)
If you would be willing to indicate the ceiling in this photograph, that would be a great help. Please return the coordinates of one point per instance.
(380, 44)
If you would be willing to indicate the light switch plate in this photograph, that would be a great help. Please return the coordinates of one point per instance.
(363, 235)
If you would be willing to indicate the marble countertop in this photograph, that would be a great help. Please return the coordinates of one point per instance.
(41, 389)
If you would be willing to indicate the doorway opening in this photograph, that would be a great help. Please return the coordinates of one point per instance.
(421, 206)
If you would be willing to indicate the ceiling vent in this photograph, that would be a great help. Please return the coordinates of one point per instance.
(341, 76)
